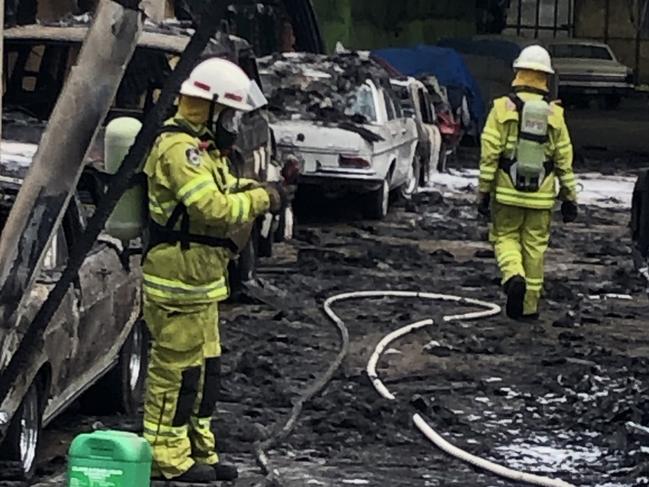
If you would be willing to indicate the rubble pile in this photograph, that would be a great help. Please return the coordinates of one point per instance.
(317, 87)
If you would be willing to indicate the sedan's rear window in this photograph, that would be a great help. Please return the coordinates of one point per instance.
(361, 102)
(580, 51)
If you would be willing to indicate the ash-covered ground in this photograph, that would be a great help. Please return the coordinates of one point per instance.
(566, 396)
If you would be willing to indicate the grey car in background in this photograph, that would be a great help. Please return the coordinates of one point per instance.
(589, 70)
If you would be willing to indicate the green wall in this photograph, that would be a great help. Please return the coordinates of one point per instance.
(370, 24)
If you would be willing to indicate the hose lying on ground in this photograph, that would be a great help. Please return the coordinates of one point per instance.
(419, 421)
(272, 475)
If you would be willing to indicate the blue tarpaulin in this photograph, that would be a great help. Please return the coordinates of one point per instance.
(504, 49)
(443, 63)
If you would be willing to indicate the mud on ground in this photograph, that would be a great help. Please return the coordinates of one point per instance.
(554, 397)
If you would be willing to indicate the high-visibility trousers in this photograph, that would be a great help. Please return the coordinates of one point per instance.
(520, 237)
(182, 386)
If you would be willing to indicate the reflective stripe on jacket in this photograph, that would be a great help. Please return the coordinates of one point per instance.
(180, 170)
(500, 139)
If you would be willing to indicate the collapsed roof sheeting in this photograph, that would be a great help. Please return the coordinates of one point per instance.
(315, 87)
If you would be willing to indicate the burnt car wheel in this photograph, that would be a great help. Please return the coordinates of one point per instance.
(122, 389)
(24, 433)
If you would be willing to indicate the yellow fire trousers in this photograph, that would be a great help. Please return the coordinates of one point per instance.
(182, 386)
(520, 237)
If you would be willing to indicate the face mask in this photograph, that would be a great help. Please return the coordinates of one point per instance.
(226, 128)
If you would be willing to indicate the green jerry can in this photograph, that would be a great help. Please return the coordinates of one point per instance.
(109, 459)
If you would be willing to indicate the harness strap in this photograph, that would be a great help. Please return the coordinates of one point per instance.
(161, 234)
(506, 164)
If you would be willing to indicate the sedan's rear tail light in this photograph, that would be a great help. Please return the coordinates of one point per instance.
(353, 162)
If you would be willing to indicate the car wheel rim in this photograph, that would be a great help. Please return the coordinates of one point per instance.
(29, 430)
(135, 358)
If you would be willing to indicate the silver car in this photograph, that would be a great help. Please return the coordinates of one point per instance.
(589, 70)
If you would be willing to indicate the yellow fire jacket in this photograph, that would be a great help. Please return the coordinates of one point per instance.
(500, 138)
(180, 169)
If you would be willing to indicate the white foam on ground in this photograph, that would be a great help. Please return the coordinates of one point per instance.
(540, 455)
(594, 189)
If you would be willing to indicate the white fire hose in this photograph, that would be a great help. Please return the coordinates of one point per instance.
(421, 424)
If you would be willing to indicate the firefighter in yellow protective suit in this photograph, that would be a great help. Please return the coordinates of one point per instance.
(526, 149)
(196, 208)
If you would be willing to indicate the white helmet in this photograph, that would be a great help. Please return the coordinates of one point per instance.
(221, 81)
(534, 58)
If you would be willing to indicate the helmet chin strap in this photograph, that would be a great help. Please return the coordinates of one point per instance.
(213, 116)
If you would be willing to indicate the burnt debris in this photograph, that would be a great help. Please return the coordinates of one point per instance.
(319, 88)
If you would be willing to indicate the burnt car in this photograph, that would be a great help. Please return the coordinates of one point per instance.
(95, 338)
(38, 59)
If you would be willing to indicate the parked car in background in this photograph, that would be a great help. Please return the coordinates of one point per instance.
(416, 102)
(339, 117)
(589, 70)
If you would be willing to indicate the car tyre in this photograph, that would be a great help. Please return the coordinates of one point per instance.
(640, 219)
(378, 202)
(23, 436)
(443, 159)
(122, 389)
(409, 188)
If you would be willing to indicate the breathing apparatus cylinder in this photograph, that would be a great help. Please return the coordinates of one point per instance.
(532, 141)
(129, 216)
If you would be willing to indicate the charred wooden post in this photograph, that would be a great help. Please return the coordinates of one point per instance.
(58, 163)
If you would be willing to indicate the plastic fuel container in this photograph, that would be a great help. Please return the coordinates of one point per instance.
(109, 459)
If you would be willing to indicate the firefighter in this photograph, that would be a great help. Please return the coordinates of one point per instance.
(526, 148)
(197, 210)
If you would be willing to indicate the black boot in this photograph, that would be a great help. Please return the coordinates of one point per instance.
(515, 289)
(531, 317)
(198, 474)
(225, 472)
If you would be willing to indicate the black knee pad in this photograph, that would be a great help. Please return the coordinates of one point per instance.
(187, 396)
(211, 387)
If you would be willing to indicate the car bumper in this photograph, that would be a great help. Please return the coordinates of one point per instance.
(338, 180)
(594, 88)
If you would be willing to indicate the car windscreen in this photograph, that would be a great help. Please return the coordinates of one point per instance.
(361, 102)
(35, 71)
(577, 51)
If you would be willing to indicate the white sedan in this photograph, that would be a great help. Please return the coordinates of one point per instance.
(372, 158)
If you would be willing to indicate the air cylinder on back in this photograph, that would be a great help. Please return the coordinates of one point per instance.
(128, 218)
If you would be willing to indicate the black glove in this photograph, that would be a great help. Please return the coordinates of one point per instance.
(570, 211)
(484, 202)
(279, 197)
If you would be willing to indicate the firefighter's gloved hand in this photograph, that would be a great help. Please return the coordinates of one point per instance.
(277, 195)
(484, 204)
(570, 211)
